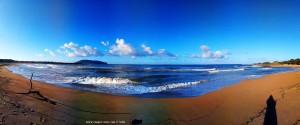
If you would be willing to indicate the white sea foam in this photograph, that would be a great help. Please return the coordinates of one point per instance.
(251, 66)
(252, 76)
(173, 86)
(266, 68)
(104, 80)
(255, 66)
(53, 66)
(226, 70)
(123, 85)
(194, 70)
(147, 68)
(35, 66)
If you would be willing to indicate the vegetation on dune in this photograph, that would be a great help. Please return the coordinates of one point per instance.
(292, 61)
(288, 62)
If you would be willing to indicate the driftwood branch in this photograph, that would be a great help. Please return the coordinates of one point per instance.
(30, 83)
(38, 93)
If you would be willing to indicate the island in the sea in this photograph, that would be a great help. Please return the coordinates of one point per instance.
(88, 62)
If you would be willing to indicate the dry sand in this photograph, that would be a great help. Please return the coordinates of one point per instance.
(242, 103)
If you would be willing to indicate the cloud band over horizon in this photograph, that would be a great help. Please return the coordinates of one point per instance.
(122, 48)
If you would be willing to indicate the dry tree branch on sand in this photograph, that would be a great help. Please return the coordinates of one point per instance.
(30, 83)
(42, 98)
(38, 93)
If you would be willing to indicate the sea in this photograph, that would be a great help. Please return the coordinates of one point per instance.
(145, 81)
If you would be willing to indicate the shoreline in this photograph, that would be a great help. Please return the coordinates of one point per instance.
(240, 103)
(143, 93)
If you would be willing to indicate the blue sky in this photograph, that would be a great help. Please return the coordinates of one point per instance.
(150, 31)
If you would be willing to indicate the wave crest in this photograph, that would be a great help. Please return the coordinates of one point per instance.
(122, 85)
(226, 70)
(104, 80)
(194, 70)
(173, 86)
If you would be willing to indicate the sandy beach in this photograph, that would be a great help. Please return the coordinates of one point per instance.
(241, 103)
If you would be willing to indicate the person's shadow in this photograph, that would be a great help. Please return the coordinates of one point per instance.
(271, 116)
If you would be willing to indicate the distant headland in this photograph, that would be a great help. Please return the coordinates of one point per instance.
(85, 62)
(90, 62)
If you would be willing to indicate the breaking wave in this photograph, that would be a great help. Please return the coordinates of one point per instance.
(104, 80)
(179, 70)
(172, 86)
(123, 85)
(193, 70)
(266, 68)
(226, 70)
(43, 66)
(35, 66)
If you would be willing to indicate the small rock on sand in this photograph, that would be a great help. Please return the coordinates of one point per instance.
(31, 110)
(42, 119)
(32, 123)
(14, 113)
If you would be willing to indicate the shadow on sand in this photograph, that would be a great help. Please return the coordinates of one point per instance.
(271, 116)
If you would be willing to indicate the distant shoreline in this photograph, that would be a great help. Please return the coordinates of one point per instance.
(9, 61)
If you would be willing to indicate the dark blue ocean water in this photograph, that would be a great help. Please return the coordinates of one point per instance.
(145, 80)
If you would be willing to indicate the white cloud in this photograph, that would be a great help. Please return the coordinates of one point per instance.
(90, 50)
(207, 53)
(70, 54)
(123, 49)
(164, 53)
(77, 51)
(50, 52)
(147, 49)
(39, 55)
(196, 56)
(221, 54)
(59, 51)
(105, 43)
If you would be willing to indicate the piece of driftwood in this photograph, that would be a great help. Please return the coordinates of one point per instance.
(38, 93)
(30, 83)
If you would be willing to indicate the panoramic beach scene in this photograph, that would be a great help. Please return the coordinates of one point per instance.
(149, 62)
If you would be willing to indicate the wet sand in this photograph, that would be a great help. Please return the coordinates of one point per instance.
(241, 103)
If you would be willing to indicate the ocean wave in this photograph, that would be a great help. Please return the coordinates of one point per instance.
(194, 70)
(266, 68)
(104, 80)
(123, 85)
(140, 89)
(43, 66)
(252, 76)
(172, 86)
(35, 66)
(251, 66)
(179, 69)
(256, 66)
(226, 70)
(51, 66)
(147, 68)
